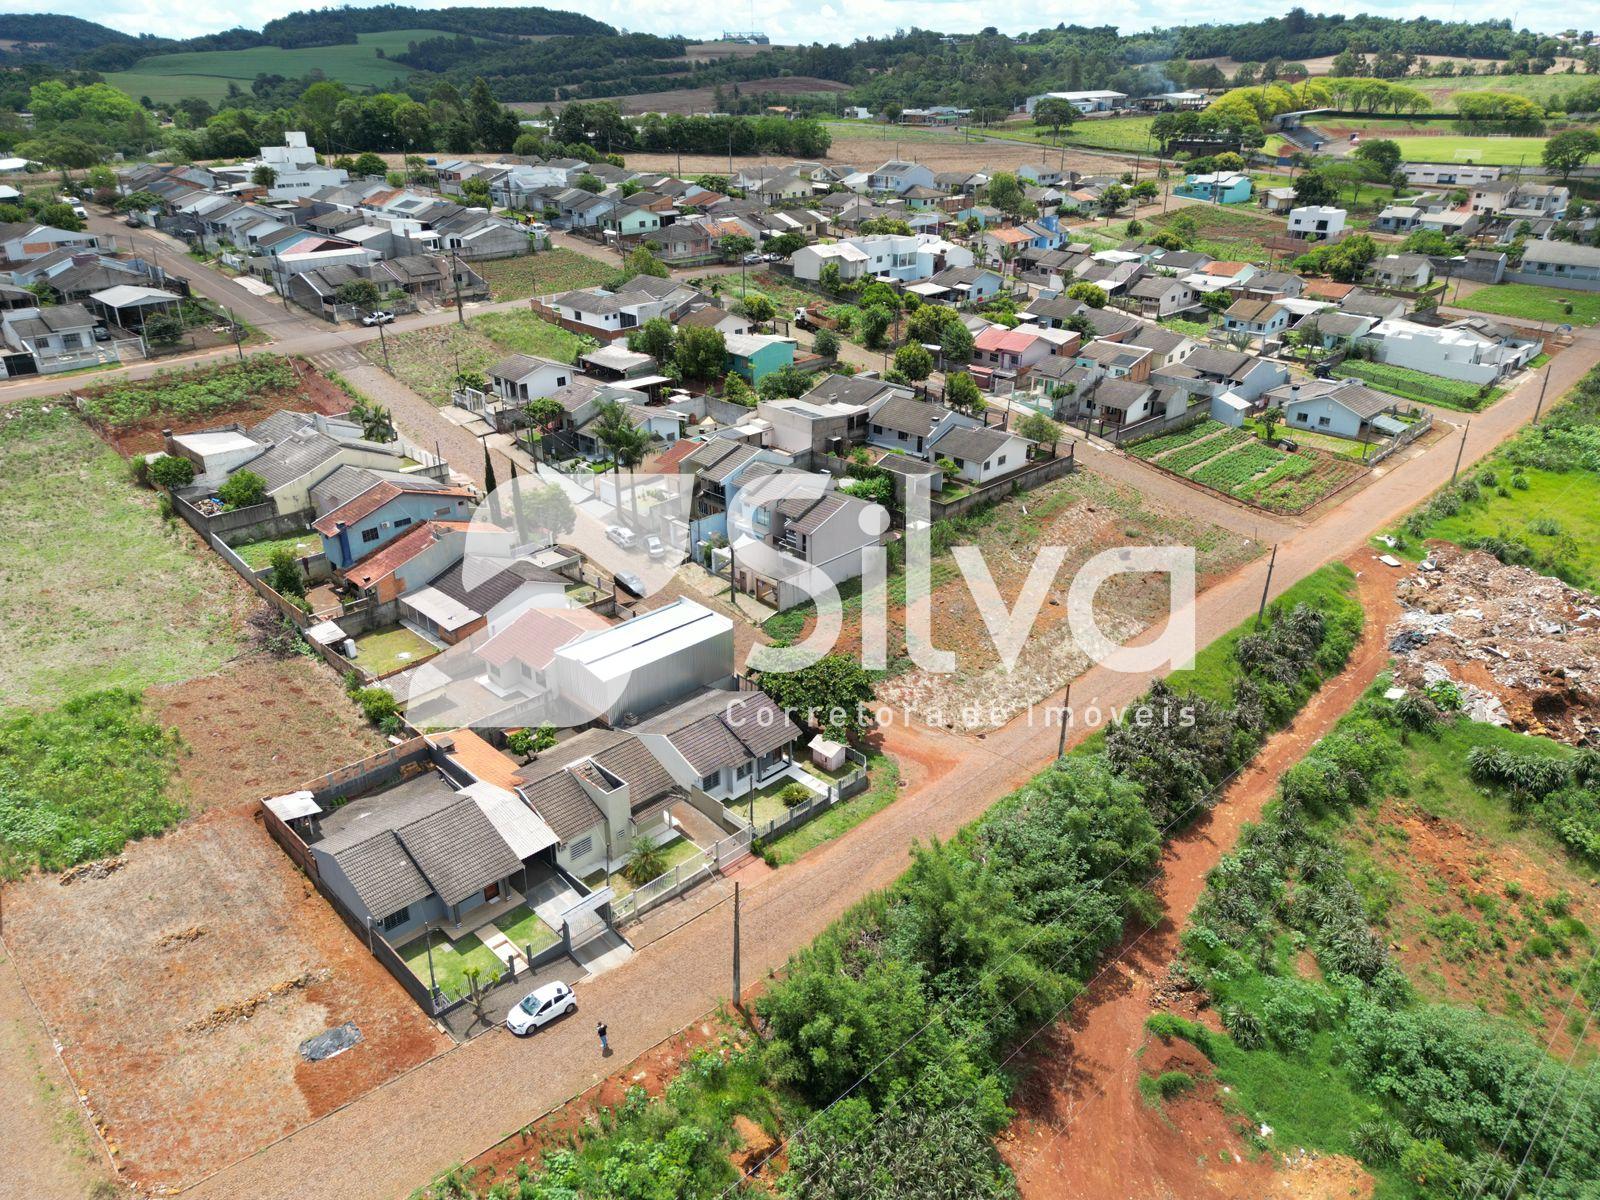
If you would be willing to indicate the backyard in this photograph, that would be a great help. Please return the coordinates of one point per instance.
(673, 854)
(1420, 386)
(1238, 464)
(883, 783)
(301, 543)
(426, 360)
(382, 651)
(1533, 302)
(99, 591)
(555, 270)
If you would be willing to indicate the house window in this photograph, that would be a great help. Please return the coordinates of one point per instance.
(369, 535)
(442, 512)
(395, 919)
(742, 771)
(1324, 420)
(580, 849)
(1301, 417)
(1001, 461)
(402, 522)
(710, 781)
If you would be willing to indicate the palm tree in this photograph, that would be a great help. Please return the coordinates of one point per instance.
(624, 441)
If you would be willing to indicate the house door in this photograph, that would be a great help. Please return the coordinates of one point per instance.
(491, 893)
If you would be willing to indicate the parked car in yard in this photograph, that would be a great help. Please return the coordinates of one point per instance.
(630, 583)
(541, 1006)
(752, 258)
(380, 316)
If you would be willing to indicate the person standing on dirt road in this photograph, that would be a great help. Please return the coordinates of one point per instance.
(600, 1032)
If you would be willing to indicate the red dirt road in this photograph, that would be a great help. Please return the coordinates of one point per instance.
(1083, 1129)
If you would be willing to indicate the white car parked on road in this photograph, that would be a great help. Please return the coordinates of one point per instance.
(540, 1007)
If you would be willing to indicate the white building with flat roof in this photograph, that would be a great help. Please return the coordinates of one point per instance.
(1084, 102)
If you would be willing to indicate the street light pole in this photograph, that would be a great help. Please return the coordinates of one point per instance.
(1461, 449)
(1544, 383)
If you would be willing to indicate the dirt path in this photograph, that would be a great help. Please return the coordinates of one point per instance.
(1083, 1129)
(48, 1151)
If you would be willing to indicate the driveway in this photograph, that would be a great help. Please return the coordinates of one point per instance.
(478, 1093)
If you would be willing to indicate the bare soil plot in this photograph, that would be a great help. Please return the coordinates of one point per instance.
(181, 984)
(1082, 513)
(259, 727)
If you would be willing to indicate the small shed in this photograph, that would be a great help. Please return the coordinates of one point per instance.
(826, 753)
(1230, 408)
(130, 305)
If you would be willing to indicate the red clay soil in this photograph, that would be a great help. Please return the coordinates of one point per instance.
(1083, 1128)
(652, 1071)
(314, 393)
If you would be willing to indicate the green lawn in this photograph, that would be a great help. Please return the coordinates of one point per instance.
(98, 592)
(1460, 148)
(674, 853)
(1558, 515)
(523, 926)
(1420, 386)
(1549, 90)
(425, 360)
(207, 73)
(1130, 134)
(883, 783)
(451, 960)
(387, 650)
(1533, 302)
(555, 270)
(302, 542)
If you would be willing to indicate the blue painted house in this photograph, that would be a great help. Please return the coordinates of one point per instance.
(1220, 187)
(757, 355)
(383, 512)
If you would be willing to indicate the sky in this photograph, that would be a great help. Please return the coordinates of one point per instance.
(785, 21)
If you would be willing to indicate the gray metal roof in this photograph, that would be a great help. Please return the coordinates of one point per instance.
(972, 445)
(905, 415)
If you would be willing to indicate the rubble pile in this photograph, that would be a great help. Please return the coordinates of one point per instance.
(1523, 648)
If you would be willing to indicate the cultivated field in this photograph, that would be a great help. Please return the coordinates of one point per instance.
(1549, 90)
(207, 73)
(702, 100)
(1236, 463)
(868, 145)
(1085, 514)
(426, 360)
(99, 592)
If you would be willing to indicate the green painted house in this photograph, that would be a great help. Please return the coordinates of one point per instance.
(757, 355)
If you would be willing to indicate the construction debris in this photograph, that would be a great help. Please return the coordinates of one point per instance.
(99, 869)
(1523, 648)
(331, 1043)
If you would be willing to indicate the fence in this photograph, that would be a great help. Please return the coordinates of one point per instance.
(852, 783)
(1026, 479)
(697, 869)
(1413, 431)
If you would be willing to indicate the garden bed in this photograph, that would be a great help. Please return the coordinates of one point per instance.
(555, 270)
(1419, 386)
(302, 543)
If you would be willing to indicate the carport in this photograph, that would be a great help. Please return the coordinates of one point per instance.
(130, 305)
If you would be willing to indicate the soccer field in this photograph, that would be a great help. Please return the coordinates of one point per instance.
(207, 73)
(1492, 151)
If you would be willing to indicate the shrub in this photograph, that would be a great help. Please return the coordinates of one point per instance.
(795, 794)
(243, 489)
(171, 471)
(377, 704)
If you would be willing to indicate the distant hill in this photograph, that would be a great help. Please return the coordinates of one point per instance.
(72, 42)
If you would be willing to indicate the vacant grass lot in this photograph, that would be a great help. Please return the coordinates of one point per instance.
(1532, 302)
(1558, 515)
(79, 781)
(97, 591)
(557, 270)
(207, 73)
(1549, 90)
(301, 543)
(426, 360)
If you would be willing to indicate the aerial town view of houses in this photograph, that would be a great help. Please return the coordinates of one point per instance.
(595, 614)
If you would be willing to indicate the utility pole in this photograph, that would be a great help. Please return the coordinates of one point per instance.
(1461, 449)
(384, 343)
(1261, 609)
(738, 990)
(455, 277)
(1066, 713)
(1542, 385)
(234, 326)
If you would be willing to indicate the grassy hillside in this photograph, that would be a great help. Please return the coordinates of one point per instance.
(207, 73)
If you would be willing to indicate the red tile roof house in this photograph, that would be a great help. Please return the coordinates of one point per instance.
(377, 516)
(408, 561)
(1007, 353)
